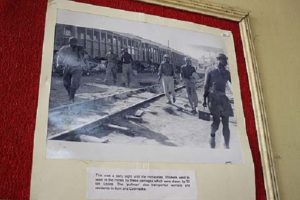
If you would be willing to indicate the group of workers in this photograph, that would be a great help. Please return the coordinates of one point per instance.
(71, 58)
(214, 91)
(112, 67)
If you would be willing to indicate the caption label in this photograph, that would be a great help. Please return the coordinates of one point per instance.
(141, 184)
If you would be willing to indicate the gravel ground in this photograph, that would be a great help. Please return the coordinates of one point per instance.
(162, 124)
(168, 125)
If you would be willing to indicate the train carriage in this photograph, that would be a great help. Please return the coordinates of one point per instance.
(147, 55)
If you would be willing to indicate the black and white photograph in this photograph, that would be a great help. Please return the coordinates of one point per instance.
(132, 90)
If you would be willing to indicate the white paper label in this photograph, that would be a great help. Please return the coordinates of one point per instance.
(133, 184)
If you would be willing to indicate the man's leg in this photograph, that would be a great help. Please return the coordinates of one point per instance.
(189, 94)
(108, 74)
(172, 88)
(75, 82)
(214, 128)
(226, 131)
(114, 73)
(67, 79)
(129, 74)
(124, 72)
(194, 96)
(166, 87)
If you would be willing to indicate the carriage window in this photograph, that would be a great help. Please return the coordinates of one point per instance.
(68, 31)
(103, 36)
(119, 45)
(81, 35)
(96, 36)
(125, 42)
(119, 42)
(109, 38)
(89, 35)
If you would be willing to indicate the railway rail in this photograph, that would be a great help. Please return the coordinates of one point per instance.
(81, 118)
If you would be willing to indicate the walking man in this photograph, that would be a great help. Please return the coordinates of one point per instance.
(166, 73)
(70, 57)
(126, 60)
(187, 74)
(111, 68)
(218, 102)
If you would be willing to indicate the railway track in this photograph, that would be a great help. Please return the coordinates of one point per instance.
(81, 118)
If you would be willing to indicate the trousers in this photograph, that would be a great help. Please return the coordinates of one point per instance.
(71, 79)
(168, 86)
(225, 122)
(191, 92)
(111, 73)
(220, 108)
(127, 73)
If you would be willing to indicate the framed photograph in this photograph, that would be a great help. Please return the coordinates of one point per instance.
(150, 100)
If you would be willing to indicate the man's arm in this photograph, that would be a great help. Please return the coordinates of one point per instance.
(229, 77)
(122, 59)
(174, 71)
(160, 72)
(59, 58)
(206, 89)
(181, 75)
(193, 78)
(131, 60)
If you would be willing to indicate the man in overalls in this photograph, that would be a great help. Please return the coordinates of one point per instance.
(70, 57)
(166, 73)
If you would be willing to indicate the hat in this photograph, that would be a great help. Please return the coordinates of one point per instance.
(222, 56)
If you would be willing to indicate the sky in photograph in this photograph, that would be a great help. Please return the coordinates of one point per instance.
(188, 42)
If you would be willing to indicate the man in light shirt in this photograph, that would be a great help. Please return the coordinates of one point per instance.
(166, 73)
(70, 57)
(187, 74)
(127, 61)
(111, 67)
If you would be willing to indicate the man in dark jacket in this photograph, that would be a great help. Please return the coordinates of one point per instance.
(218, 102)
(127, 61)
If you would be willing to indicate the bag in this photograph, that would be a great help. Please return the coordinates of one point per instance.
(204, 115)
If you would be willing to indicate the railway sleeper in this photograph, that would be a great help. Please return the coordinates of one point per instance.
(120, 129)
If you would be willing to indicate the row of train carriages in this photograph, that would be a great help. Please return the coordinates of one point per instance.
(147, 55)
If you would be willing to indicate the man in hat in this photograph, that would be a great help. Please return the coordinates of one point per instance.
(111, 67)
(70, 57)
(218, 102)
(127, 61)
(166, 73)
(188, 76)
